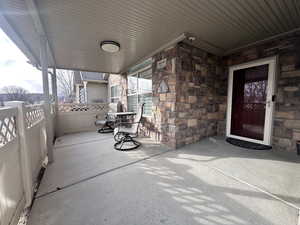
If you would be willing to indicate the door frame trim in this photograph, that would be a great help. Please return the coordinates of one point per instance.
(272, 61)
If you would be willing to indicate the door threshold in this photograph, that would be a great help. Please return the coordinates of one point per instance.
(247, 144)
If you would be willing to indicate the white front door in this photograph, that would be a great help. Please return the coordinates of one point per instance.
(251, 101)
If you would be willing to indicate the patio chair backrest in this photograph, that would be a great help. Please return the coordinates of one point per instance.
(137, 118)
(139, 113)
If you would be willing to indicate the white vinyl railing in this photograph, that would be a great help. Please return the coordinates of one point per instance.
(35, 125)
(7, 126)
(23, 148)
(33, 115)
(25, 134)
(78, 107)
(75, 117)
(12, 199)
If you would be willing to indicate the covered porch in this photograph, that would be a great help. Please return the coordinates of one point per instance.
(214, 69)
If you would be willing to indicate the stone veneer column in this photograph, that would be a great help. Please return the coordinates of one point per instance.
(164, 104)
(196, 100)
(200, 94)
(195, 103)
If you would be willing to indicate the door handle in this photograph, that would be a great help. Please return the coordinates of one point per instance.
(272, 100)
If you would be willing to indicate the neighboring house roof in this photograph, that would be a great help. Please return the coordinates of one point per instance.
(80, 76)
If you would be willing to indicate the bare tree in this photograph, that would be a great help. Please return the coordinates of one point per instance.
(15, 93)
(65, 80)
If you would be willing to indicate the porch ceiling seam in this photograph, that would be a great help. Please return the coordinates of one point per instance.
(219, 28)
(231, 51)
(229, 16)
(255, 18)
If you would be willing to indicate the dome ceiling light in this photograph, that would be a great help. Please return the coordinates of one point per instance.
(110, 46)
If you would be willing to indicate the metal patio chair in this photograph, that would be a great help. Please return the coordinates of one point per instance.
(108, 124)
(126, 132)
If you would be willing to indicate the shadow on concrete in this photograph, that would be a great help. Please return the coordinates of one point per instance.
(175, 187)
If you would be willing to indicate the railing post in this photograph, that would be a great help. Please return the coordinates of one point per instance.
(49, 131)
(24, 151)
(77, 94)
(54, 88)
(44, 64)
(58, 132)
(85, 92)
(55, 98)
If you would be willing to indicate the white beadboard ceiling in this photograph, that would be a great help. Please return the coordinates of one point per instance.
(75, 28)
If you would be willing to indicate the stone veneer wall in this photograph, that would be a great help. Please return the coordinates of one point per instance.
(164, 104)
(200, 94)
(286, 124)
(195, 102)
(195, 105)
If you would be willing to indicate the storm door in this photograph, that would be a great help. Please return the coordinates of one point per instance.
(251, 101)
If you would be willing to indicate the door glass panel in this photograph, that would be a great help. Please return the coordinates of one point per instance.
(249, 92)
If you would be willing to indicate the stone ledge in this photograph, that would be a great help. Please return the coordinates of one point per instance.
(292, 124)
(192, 122)
(285, 115)
(289, 74)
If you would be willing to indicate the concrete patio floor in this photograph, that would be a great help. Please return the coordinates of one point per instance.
(210, 182)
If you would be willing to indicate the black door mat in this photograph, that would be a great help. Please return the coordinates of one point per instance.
(247, 144)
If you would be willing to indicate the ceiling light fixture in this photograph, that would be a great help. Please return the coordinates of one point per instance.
(110, 46)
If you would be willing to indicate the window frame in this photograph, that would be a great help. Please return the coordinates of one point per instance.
(117, 98)
(137, 75)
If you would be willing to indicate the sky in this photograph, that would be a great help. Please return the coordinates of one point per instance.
(14, 69)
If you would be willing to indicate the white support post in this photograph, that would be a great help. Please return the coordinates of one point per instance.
(85, 92)
(44, 65)
(54, 88)
(77, 92)
(55, 98)
(24, 151)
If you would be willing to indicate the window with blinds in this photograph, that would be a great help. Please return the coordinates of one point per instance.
(140, 91)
